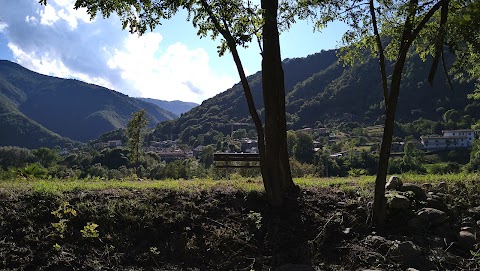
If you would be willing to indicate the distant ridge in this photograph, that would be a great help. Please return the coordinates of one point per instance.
(38, 110)
(176, 107)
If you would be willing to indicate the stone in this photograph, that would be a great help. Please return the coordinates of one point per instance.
(412, 269)
(405, 252)
(416, 224)
(475, 212)
(478, 223)
(468, 222)
(379, 243)
(443, 230)
(466, 239)
(427, 186)
(469, 229)
(393, 183)
(432, 216)
(442, 186)
(399, 202)
(417, 190)
(436, 204)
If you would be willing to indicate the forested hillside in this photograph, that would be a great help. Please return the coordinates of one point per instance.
(322, 91)
(39, 110)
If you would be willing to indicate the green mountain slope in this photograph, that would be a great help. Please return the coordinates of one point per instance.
(176, 107)
(321, 91)
(64, 107)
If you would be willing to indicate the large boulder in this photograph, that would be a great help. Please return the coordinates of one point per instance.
(398, 201)
(393, 183)
(433, 217)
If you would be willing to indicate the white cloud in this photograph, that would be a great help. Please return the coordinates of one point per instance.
(51, 65)
(62, 10)
(179, 73)
(100, 52)
(48, 16)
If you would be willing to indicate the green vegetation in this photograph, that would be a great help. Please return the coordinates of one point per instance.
(135, 133)
(31, 103)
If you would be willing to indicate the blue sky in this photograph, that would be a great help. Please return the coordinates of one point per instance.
(170, 63)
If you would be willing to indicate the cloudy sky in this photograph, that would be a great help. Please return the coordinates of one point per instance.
(170, 63)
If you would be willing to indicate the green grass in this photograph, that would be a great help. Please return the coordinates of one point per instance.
(244, 184)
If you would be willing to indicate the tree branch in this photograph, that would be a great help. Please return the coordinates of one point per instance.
(381, 54)
(439, 42)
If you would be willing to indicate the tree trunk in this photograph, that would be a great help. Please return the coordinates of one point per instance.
(379, 201)
(278, 182)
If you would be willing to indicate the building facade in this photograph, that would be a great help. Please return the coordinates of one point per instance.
(450, 139)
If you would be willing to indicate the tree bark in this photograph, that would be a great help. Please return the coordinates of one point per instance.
(278, 182)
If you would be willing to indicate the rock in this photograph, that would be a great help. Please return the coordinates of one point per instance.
(432, 216)
(469, 229)
(436, 204)
(478, 223)
(442, 196)
(443, 230)
(379, 243)
(427, 186)
(468, 221)
(466, 239)
(475, 212)
(405, 252)
(399, 202)
(416, 224)
(442, 186)
(295, 267)
(411, 269)
(393, 183)
(417, 190)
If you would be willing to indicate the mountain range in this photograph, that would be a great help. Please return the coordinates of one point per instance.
(38, 110)
(322, 91)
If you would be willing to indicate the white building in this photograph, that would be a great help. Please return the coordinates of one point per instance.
(450, 139)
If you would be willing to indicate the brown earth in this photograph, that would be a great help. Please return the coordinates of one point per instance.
(228, 229)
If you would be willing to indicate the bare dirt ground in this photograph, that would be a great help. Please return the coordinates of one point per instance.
(228, 229)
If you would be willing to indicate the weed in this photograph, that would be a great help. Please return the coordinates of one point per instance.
(256, 218)
(90, 230)
(154, 251)
(63, 213)
(57, 247)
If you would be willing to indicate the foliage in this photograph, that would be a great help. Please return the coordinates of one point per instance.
(135, 132)
(303, 149)
(15, 157)
(90, 230)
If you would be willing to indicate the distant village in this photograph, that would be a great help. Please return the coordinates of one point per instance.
(169, 150)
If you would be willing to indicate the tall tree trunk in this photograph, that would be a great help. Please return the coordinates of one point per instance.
(279, 178)
(379, 201)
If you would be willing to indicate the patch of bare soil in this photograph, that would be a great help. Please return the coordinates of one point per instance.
(322, 229)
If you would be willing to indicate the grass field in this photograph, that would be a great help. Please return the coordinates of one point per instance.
(244, 184)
